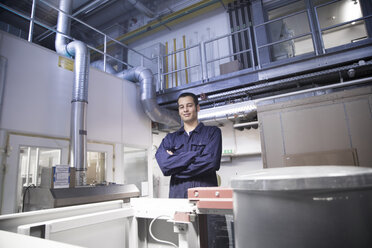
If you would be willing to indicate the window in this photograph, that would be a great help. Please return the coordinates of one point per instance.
(135, 168)
(287, 29)
(96, 167)
(28, 157)
(336, 21)
(32, 161)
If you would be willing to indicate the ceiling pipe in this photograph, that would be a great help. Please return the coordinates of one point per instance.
(228, 111)
(146, 81)
(100, 64)
(88, 6)
(79, 102)
(249, 108)
(138, 5)
(148, 96)
(170, 19)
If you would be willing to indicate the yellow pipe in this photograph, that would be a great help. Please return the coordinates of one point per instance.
(166, 66)
(184, 55)
(175, 59)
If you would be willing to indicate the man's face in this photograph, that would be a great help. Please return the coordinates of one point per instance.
(187, 109)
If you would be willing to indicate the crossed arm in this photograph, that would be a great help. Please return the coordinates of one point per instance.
(187, 164)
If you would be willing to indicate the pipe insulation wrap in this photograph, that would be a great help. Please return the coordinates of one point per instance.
(79, 50)
(138, 5)
(63, 27)
(247, 108)
(78, 135)
(78, 125)
(100, 64)
(148, 96)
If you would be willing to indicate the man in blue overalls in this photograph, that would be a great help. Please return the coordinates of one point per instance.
(191, 156)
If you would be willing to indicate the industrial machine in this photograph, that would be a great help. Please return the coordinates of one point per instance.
(303, 206)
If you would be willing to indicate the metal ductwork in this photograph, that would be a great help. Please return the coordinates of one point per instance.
(63, 27)
(79, 102)
(100, 64)
(148, 96)
(138, 5)
(228, 111)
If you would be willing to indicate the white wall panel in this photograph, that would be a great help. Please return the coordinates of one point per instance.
(136, 124)
(37, 100)
(37, 92)
(104, 106)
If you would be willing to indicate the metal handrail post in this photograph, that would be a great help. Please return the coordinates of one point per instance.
(104, 52)
(257, 50)
(31, 30)
(160, 76)
(203, 62)
(319, 29)
(251, 48)
(313, 37)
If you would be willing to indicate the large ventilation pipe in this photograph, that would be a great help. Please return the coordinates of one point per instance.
(138, 5)
(148, 93)
(148, 96)
(79, 102)
(228, 111)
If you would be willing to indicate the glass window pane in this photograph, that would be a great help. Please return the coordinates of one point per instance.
(32, 160)
(135, 166)
(338, 13)
(284, 27)
(285, 9)
(96, 167)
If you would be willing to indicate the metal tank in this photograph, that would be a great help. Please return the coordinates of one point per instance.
(307, 207)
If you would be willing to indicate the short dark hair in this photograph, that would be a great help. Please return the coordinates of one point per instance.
(194, 97)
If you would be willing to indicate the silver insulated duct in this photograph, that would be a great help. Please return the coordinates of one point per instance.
(79, 102)
(148, 96)
(228, 111)
(138, 5)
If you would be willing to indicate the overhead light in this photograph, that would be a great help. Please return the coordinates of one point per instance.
(352, 23)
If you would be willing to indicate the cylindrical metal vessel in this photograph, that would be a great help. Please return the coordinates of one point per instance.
(307, 207)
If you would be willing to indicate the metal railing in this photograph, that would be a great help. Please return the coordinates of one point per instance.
(165, 73)
(106, 38)
(234, 54)
(199, 50)
(270, 44)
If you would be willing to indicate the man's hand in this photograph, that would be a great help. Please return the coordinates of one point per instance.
(169, 152)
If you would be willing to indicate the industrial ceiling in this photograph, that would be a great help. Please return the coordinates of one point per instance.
(112, 17)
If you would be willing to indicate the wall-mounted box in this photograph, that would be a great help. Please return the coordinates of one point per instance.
(229, 67)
